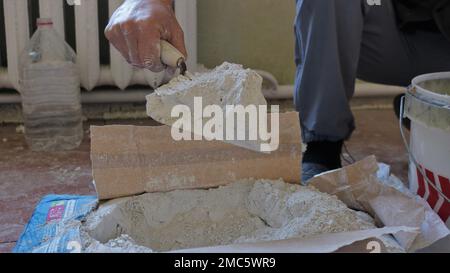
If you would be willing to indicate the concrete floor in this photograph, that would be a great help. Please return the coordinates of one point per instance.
(25, 176)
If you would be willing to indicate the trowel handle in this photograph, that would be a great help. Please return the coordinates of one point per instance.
(170, 55)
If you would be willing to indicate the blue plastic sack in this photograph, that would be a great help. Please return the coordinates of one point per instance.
(54, 225)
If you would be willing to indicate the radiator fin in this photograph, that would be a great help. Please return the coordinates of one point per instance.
(88, 53)
(82, 27)
(17, 36)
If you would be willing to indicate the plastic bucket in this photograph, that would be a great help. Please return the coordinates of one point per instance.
(427, 104)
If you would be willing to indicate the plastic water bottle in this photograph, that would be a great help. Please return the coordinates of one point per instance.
(50, 90)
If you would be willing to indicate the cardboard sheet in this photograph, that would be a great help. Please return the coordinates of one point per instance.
(130, 160)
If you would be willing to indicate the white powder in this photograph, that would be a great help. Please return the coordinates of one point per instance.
(121, 244)
(227, 84)
(247, 211)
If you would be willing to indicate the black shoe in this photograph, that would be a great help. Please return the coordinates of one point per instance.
(320, 156)
(310, 170)
(397, 104)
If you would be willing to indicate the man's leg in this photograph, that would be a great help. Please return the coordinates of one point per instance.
(337, 40)
(331, 36)
(430, 51)
(328, 42)
(390, 56)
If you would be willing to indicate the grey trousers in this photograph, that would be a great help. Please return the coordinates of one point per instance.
(338, 41)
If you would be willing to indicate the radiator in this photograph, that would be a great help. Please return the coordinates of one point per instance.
(81, 23)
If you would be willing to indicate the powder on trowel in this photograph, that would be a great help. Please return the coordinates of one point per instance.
(246, 211)
(227, 84)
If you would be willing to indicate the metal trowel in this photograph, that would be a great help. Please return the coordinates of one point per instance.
(161, 102)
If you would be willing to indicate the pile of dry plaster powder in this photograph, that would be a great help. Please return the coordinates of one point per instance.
(227, 84)
(247, 211)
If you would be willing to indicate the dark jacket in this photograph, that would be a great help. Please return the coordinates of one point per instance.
(427, 14)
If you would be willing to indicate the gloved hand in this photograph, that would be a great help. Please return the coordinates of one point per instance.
(137, 27)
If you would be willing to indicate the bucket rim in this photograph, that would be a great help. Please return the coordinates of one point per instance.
(445, 99)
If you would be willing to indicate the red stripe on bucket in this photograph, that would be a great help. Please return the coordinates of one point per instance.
(421, 184)
(444, 211)
(445, 186)
(433, 197)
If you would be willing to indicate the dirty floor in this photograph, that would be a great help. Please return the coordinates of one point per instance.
(25, 176)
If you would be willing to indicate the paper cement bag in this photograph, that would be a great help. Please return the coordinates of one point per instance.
(361, 241)
(358, 186)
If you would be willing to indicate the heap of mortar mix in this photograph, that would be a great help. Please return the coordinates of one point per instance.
(242, 212)
(226, 85)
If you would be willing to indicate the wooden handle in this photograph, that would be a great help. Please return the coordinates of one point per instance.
(170, 55)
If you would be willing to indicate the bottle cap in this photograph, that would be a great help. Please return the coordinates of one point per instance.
(44, 22)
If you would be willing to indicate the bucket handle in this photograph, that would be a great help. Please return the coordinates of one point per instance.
(410, 154)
